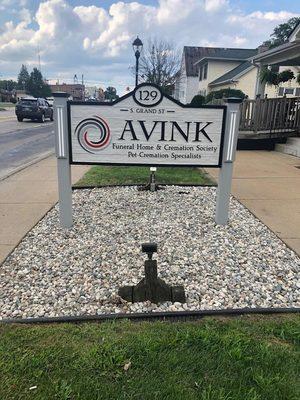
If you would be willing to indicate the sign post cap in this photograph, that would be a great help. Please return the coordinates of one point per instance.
(60, 94)
(233, 100)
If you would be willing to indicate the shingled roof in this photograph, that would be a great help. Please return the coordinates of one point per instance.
(194, 54)
(229, 76)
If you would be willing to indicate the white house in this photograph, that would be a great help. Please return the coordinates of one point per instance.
(207, 69)
(203, 65)
(186, 85)
(227, 67)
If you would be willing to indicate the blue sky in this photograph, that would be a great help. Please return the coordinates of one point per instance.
(94, 37)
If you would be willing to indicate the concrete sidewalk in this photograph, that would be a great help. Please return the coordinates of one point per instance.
(25, 198)
(268, 184)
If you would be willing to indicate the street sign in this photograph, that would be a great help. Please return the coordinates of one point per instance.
(146, 127)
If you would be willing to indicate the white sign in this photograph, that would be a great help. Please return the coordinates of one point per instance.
(146, 127)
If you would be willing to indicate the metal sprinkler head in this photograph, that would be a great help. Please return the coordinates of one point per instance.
(149, 248)
(151, 287)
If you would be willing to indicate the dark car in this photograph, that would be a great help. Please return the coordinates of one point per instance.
(33, 108)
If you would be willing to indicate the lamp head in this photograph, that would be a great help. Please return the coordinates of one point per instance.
(137, 46)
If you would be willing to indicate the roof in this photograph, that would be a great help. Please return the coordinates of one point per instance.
(231, 55)
(234, 73)
(194, 54)
(286, 54)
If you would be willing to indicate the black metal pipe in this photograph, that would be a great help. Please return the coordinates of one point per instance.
(137, 56)
(152, 316)
(79, 187)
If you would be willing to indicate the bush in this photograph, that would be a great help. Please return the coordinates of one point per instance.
(219, 94)
(197, 101)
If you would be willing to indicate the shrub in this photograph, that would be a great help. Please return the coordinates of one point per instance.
(219, 94)
(197, 101)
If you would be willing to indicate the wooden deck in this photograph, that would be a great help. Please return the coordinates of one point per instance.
(274, 116)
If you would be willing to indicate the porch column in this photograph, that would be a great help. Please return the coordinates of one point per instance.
(260, 86)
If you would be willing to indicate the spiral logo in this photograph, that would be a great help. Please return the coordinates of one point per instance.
(93, 134)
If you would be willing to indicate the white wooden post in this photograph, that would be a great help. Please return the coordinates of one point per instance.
(229, 150)
(259, 85)
(63, 162)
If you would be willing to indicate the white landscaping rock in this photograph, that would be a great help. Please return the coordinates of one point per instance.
(56, 272)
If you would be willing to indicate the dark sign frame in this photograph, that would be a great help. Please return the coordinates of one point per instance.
(103, 103)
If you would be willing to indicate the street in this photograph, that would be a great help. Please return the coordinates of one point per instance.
(22, 142)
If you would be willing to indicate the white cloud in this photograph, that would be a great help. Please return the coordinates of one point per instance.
(214, 5)
(97, 41)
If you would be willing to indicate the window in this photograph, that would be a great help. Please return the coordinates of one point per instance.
(205, 71)
(200, 73)
(288, 91)
(280, 91)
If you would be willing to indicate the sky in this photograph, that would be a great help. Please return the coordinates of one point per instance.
(93, 37)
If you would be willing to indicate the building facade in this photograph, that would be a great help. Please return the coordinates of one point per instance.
(207, 69)
(75, 90)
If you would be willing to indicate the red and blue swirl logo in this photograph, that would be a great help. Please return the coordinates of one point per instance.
(93, 134)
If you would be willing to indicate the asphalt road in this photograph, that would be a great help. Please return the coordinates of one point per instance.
(22, 142)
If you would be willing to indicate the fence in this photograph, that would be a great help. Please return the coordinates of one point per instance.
(275, 116)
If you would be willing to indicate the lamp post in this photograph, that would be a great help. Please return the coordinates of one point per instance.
(137, 48)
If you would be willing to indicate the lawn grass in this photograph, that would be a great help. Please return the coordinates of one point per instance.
(4, 105)
(115, 175)
(244, 358)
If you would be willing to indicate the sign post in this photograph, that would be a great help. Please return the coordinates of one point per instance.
(229, 150)
(146, 128)
(63, 161)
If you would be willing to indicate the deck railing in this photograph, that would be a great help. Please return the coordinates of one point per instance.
(276, 115)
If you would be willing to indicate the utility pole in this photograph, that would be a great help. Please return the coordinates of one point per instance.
(39, 59)
(83, 91)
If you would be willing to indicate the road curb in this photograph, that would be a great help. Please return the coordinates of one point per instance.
(28, 164)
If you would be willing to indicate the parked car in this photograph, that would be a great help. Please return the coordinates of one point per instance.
(34, 108)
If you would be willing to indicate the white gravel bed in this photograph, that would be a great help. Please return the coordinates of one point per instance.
(56, 272)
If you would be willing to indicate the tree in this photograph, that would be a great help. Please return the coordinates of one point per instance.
(111, 93)
(36, 85)
(23, 78)
(159, 63)
(282, 32)
(8, 84)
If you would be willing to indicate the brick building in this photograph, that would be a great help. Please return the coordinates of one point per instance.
(76, 90)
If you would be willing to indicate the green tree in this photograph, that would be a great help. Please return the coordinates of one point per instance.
(23, 78)
(36, 85)
(8, 84)
(282, 32)
(111, 93)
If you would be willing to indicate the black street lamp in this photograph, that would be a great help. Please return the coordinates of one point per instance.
(137, 48)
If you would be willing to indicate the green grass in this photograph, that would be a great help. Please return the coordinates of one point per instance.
(245, 358)
(104, 175)
(4, 105)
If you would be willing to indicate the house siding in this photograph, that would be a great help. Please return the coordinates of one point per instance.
(215, 69)
(246, 83)
(273, 91)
